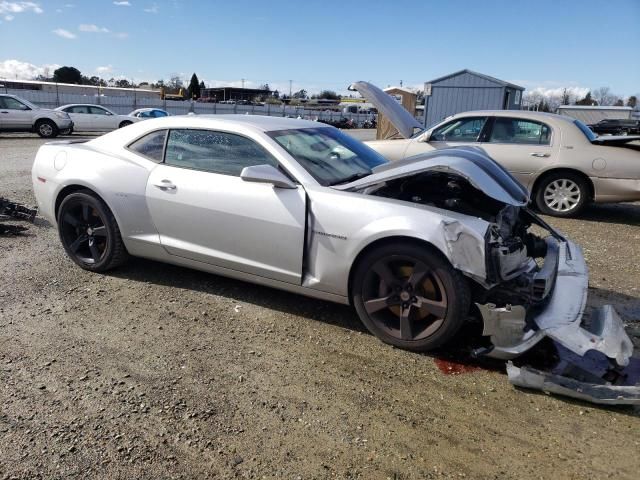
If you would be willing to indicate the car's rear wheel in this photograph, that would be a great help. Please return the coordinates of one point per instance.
(409, 296)
(562, 194)
(46, 128)
(89, 232)
(124, 124)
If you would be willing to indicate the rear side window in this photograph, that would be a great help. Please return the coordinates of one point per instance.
(151, 145)
(159, 113)
(520, 131)
(77, 109)
(216, 152)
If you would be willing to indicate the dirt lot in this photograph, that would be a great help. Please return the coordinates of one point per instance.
(155, 371)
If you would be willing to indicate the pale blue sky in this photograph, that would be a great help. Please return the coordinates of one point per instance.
(328, 44)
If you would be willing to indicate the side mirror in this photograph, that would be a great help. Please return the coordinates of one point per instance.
(266, 174)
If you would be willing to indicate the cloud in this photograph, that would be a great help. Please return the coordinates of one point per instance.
(104, 69)
(89, 27)
(24, 70)
(121, 35)
(122, 4)
(19, 7)
(61, 32)
(552, 93)
(9, 9)
(152, 9)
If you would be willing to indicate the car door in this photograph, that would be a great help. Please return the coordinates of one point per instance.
(204, 211)
(523, 146)
(103, 119)
(456, 132)
(14, 114)
(81, 118)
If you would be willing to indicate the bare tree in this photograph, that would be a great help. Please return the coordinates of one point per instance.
(604, 96)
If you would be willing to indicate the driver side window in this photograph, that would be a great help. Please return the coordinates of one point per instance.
(459, 130)
(12, 104)
(216, 152)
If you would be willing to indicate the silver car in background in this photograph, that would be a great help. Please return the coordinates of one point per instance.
(413, 245)
(20, 115)
(95, 118)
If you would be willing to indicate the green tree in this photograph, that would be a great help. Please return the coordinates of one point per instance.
(194, 87)
(67, 75)
(300, 94)
(565, 97)
(329, 95)
(587, 100)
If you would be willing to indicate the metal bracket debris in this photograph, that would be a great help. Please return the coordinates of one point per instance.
(11, 211)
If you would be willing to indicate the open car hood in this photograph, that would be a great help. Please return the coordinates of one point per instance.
(471, 163)
(400, 118)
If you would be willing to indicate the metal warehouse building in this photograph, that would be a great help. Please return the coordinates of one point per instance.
(467, 90)
(593, 114)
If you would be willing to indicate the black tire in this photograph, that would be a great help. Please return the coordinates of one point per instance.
(571, 194)
(433, 294)
(124, 124)
(68, 131)
(89, 232)
(46, 128)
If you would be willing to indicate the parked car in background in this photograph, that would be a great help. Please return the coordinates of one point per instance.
(614, 126)
(146, 113)
(20, 115)
(563, 164)
(95, 118)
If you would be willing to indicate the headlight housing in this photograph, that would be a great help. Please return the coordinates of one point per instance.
(63, 115)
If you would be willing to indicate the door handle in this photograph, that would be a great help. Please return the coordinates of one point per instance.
(165, 185)
(4, 112)
(539, 154)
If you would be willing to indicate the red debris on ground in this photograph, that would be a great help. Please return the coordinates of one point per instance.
(453, 368)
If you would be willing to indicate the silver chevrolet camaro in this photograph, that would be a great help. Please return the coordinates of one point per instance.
(417, 246)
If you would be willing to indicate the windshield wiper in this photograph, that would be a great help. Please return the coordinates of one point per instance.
(351, 178)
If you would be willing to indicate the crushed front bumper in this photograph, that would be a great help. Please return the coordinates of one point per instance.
(596, 347)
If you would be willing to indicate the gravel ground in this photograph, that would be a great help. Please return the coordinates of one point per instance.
(156, 371)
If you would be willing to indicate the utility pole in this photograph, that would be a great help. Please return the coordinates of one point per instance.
(242, 82)
(400, 82)
(290, 82)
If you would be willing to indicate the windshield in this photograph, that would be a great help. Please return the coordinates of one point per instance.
(330, 156)
(586, 130)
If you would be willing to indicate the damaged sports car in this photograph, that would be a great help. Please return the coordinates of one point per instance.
(417, 246)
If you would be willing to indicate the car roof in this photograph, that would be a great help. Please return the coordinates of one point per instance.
(235, 123)
(259, 122)
(516, 113)
(81, 105)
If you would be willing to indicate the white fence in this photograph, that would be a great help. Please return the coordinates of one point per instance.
(125, 105)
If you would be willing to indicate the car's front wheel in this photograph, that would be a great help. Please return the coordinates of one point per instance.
(562, 194)
(124, 124)
(409, 296)
(89, 232)
(46, 128)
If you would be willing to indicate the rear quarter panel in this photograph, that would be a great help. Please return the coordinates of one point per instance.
(118, 180)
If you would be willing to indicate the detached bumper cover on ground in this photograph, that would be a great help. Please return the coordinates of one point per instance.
(594, 354)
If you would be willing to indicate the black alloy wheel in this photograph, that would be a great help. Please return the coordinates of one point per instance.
(89, 232)
(410, 297)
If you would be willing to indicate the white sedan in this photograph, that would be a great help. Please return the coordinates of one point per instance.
(561, 162)
(95, 118)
